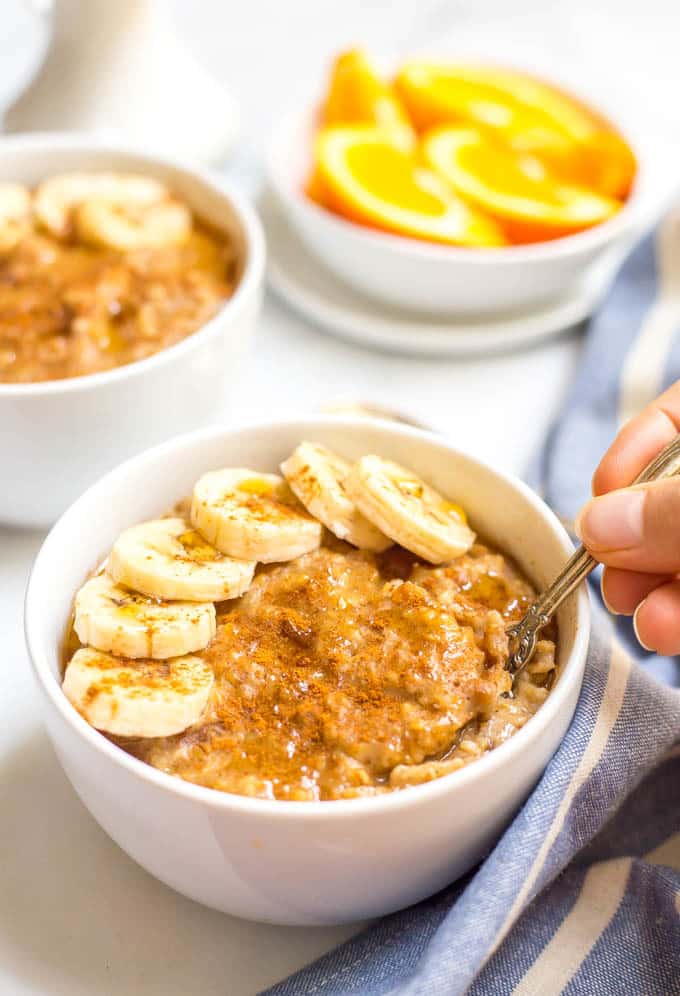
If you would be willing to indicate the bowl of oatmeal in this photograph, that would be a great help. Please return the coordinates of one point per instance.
(283, 689)
(129, 286)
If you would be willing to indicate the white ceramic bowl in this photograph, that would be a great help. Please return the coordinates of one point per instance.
(298, 862)
(448, 280)
(58, 437)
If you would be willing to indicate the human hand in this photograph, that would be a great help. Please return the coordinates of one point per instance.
(635, 531)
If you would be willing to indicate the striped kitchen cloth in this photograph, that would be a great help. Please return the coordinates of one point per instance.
(582, 893)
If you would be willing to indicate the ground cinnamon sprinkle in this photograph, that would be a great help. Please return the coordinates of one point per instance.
(344, 674)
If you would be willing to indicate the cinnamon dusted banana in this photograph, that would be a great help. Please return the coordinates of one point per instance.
(252, 516)
(407, 510)
(125, 226)
(317, 476)
(137, 698)
(120, 621)
(15, 214)
(56, 199)
(168, 559)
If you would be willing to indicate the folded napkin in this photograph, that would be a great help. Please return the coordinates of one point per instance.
(582, 893)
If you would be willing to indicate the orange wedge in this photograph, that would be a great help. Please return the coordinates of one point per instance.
(530, 115)
(357, 95)
(368, 179)
(513, 188)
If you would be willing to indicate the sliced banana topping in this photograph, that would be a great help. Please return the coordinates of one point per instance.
(408, 510)
(252, 516)
(132, 698)
(168, 559)
(119, 621)
(317, 476)
(56, 199)
(15, 214)
(126, 226)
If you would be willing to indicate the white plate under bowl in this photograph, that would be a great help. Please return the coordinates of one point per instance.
(313, 291)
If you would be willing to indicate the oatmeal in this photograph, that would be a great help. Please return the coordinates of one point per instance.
(79, 299)
(345, 674)
(333, 672)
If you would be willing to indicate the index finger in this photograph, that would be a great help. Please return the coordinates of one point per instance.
(639, 442)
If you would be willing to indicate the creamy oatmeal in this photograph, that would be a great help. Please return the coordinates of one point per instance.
(107, 288)
(346, 674)
(324, 671)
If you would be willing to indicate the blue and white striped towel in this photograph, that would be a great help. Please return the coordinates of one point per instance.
(582, 893)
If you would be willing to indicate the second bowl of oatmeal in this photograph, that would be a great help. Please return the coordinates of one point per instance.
(103, 350)
(322, 782)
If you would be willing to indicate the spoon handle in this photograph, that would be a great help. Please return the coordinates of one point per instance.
(523, 636)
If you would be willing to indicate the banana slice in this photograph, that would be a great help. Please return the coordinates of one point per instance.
(410, 512)
(252, 516)
(125, 225)
(119, 621)
(317, 476)
(15, 214)
(55, 200)
(137, 698)
(169, 559)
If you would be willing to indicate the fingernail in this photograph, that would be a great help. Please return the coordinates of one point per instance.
(612, 522)
(635, 629)
(604, 599)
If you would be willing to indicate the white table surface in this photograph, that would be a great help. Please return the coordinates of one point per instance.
(77, 916)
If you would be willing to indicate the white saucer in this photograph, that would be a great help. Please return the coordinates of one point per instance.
(308, 287)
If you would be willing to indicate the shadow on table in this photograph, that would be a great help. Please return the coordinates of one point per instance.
(77, 916)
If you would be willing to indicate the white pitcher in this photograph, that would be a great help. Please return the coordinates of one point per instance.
(120, 68)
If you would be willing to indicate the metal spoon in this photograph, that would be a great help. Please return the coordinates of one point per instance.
(523, 635)
(368, 409)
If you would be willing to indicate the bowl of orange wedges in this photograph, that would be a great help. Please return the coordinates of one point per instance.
(455, 188)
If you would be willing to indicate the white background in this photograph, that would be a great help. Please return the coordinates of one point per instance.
(76, 915)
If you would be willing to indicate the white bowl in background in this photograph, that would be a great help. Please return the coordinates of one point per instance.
(57, 437)
(299, 862)
(448, 280)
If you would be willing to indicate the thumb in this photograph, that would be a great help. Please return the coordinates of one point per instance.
(635, 528)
